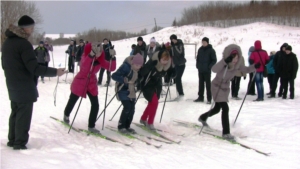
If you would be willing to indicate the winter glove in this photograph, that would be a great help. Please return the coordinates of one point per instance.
(67, 51)
(125, 80)
(229, 59)
(257, 65)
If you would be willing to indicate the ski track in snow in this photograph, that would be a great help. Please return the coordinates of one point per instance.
(270, 126)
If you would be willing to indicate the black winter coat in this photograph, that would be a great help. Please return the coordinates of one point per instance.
(206, 58)
(154, 83)
(79, 52)
(20, 66)
(289, 66)
(142, 50)
(178, 53)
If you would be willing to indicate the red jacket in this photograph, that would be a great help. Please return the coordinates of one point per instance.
(78, 86)
(259, 55)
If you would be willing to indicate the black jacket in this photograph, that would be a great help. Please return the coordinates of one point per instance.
(289, 66)
(142, 50)
(154, 83)
(71, 50)
(178, 53)
(206, 58)
(79, 52)
(20, 66)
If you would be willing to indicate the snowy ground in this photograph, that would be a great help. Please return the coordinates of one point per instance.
(271, 126)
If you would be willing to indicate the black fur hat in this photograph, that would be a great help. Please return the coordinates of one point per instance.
(173, 37)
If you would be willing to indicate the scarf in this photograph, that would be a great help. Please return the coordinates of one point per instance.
(131, 84)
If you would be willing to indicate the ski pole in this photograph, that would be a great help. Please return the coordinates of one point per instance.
(165, 102)
(211, 107)
(106, 97)
(251, 83)
(109, 103)
(116, 112)
(85, 88)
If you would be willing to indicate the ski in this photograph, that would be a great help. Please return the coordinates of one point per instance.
(173, 100)
(105, 137)
(65, 124)
(156, 133)
(195, 125)
(237, 143)
(130, 136)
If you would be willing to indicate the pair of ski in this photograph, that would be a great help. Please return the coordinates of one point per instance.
(213, 132)
(91, 133)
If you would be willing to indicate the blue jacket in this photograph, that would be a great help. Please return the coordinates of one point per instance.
(123, 71)
(270, 66)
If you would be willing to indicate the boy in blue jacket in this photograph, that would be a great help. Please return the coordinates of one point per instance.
(125, 78)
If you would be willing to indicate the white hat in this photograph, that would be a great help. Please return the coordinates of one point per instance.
(152, 40)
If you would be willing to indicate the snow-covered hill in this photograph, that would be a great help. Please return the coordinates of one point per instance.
(271, 126)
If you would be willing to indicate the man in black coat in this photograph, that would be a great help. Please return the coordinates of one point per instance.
(21, 68)
(288, 72)
(71, 51)
(178, 57)
(276, 64)
(206, 58)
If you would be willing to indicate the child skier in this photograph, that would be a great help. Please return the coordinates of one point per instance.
(225, 70)
(125, 78)
(85, 83)
(152, 74)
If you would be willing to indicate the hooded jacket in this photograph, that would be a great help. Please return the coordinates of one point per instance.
(220, 86)
(79, 85)
(276, 62)
(259, 56)
(20, 66)
(153, 73)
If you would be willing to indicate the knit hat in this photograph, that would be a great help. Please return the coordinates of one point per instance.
(25, 21)
(152, 40)
(173, 37)
(140, 39)
(288, 48)
(138, 59)
(168, 45)
(205, 39)
(41, 42)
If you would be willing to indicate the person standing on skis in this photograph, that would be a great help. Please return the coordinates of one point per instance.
(152, 74)
(125, 78)
(225, 70)
(85, 83)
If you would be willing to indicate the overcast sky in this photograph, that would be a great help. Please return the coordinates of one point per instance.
(131, 16)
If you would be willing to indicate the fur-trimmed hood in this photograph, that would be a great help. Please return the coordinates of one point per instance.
(159, 66)
(228, 49)
(16, 31)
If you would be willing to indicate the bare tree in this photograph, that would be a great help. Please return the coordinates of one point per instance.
(11, 11)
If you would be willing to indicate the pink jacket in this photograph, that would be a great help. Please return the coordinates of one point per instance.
(80, 81)
(259, 55)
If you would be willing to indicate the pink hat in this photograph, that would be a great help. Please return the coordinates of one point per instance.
(138, 59)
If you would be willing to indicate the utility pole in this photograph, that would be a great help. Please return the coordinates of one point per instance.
(155, 25)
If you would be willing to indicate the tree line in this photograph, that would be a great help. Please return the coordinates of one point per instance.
(226, 14)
